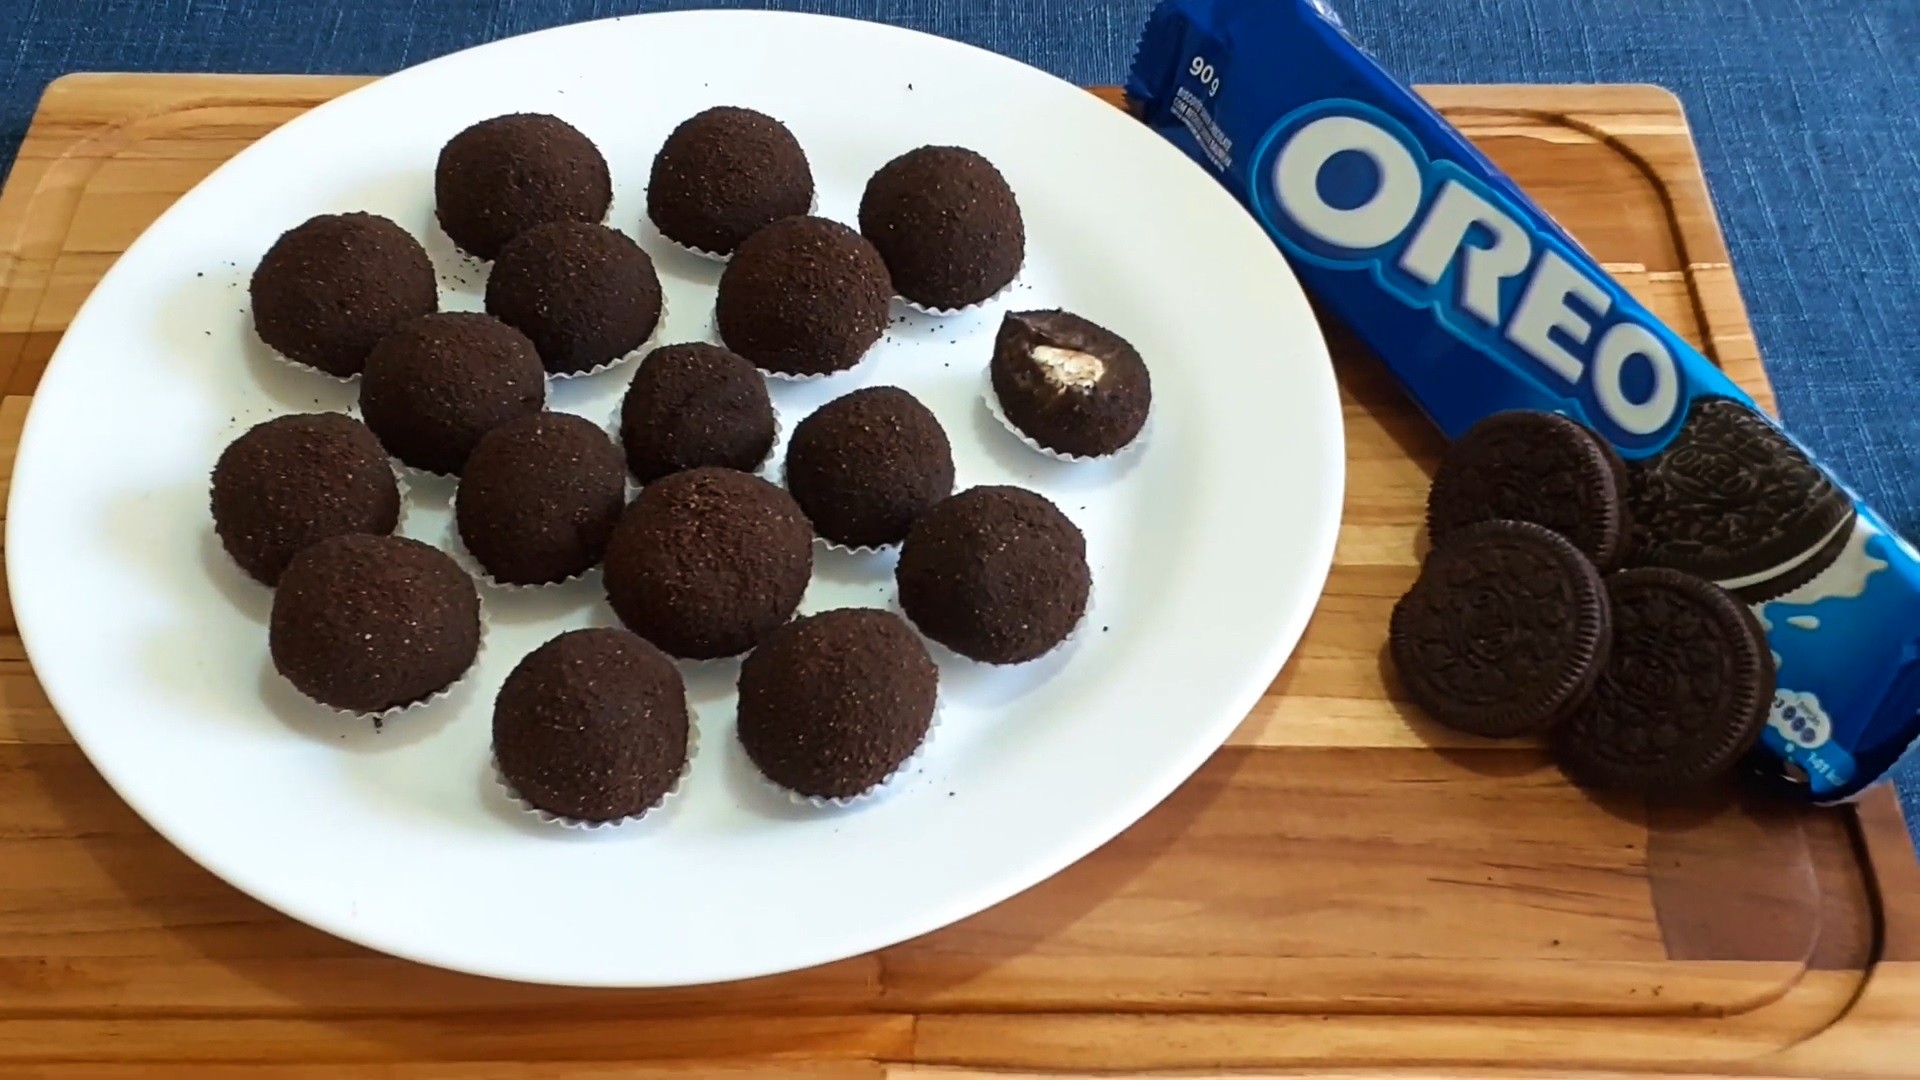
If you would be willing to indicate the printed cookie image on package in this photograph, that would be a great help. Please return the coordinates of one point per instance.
(1732, 500)
(1479, 303)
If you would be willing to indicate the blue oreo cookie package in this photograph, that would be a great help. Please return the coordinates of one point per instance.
(1479, 303)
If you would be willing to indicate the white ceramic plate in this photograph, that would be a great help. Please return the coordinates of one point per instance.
(1209, 548)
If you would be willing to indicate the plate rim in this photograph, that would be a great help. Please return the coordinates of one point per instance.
(1076, 845)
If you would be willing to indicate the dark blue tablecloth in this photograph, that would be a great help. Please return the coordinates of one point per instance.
(1807, 113)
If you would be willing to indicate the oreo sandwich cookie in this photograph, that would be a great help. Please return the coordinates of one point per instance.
(1732, 500)
(1504, 633)
(1621, 480)
(1533, 466)
(1684, 693)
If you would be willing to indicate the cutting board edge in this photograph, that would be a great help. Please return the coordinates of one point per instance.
(1705, 240)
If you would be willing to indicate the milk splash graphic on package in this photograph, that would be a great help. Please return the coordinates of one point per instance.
(1479, 303)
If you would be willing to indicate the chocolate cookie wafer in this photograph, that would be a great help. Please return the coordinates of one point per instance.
(1504, 633)
(1684, 693)
(1533, 466)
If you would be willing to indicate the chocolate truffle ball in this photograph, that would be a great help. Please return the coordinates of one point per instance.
(947, 225)
(803, 296)
(539, 498)
(1069, 384)
(331, 287)
(586, 294)
(997, 574)
(723, 175)
(592, 726)
(438, 383)
(864, 467)
(504, 175)
(832, 704)
(693, 405)
(369, 623)
(294, 481)
(707, 561)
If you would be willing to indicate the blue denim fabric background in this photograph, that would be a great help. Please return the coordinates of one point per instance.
(1807, 114)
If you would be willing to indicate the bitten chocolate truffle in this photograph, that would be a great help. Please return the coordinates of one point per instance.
(693, 405)
(370, 623)
(592, 726)
(706, 562)
(803, 296)
(1068, 383)
(865, 466)
(539, 498)
(724, 174)
(293, 481)
(438, 383)
(331, 287)
(831, 705)
(504, 175)
(586, 294)
(947, 225)
(997, 574)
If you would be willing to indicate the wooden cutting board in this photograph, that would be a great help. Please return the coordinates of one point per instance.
(1342, 886)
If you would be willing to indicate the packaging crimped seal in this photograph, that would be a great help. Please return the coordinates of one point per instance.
(1478, 302)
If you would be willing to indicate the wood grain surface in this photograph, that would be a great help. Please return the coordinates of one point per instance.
(1345, 886)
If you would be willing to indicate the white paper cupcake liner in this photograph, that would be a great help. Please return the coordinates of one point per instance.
(418, 473)
(689, 665)
(764, 470)
(455, 545)
(887, 784)
(813, 208)
(710, 256)
(546, 817)
(943, 313)
(400, 482)
(992, 399)
(628, 357)
(787, 376)
(942, 654)
(459, 253)
(865, 549)
(693, 665)
(384, 715)
(835, 545)
(283, 358)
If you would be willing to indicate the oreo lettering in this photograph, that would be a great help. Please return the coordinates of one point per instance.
(1344, 186)
(1478, 303)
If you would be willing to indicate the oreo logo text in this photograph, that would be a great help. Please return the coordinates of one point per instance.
(1344, 186)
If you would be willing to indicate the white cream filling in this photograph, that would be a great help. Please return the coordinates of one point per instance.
(1069, 368)
(1790, 564)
